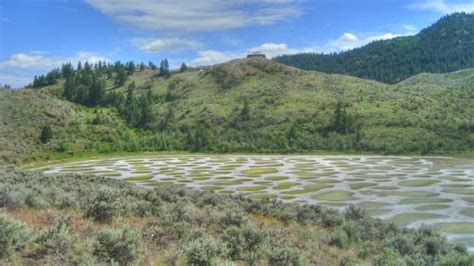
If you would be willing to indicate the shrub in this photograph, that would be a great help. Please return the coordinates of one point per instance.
(118, 245)
(7, 201)
(353, 231)
(13, 235)
(101, 206)
(355, 213)
(157, 234)
(402, 243)
(433, 243)
(204, 251)
(34, 201)
(331, 218)
(456, 259)
(245, 243)
(339, 238)
(286, 255)
(389, 258)
(233, 216)
(55, 240)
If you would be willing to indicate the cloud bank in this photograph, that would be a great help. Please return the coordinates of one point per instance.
(196, 16)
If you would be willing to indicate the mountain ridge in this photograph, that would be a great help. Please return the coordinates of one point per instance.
(445, 46)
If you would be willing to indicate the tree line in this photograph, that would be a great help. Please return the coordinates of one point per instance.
(87, 85)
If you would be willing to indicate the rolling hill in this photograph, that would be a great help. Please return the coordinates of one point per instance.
(249, 105)
(446, 46)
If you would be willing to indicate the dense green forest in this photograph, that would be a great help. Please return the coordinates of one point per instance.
(446, 46)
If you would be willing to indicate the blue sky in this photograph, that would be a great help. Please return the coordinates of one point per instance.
(37, 35)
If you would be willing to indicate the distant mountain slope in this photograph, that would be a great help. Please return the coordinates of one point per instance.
(446, 46)
(248, 105)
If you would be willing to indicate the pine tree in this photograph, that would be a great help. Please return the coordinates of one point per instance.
(70, 89)
(46, 134)
(121, 77)
(146, 114)
(183, 68)
(164, 68)
(67, 70)
(130, 68)
(97, 92)
(245, 114)
(151, 65)
(132, 111)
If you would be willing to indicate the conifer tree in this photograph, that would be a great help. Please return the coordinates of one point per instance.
(46, 134)
(183, 68)
(164, 68)
(121, 77)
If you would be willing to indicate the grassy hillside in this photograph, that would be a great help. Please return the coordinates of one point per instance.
(251, 105)
(23, 113)
(86, 220)
(292, 110)
(443, 47)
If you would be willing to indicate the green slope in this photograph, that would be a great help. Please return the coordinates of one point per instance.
(257, 105)
(23, 113)
(446, 46)
(295, 110)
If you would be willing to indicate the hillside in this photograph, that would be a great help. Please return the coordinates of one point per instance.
(249, 105)
(446, 46)
(23, 113)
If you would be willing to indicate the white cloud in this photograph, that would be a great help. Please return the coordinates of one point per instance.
(348, 37)
(40, 61)
(211, 57)
(18, 70)
(192, 15)
(165, 45)
(349, 41)
(385, 36)
(443, 7)
(271, 49)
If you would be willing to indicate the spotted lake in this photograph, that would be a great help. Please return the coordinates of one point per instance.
(410, 191)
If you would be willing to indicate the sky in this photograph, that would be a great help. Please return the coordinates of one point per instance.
(38, 35)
